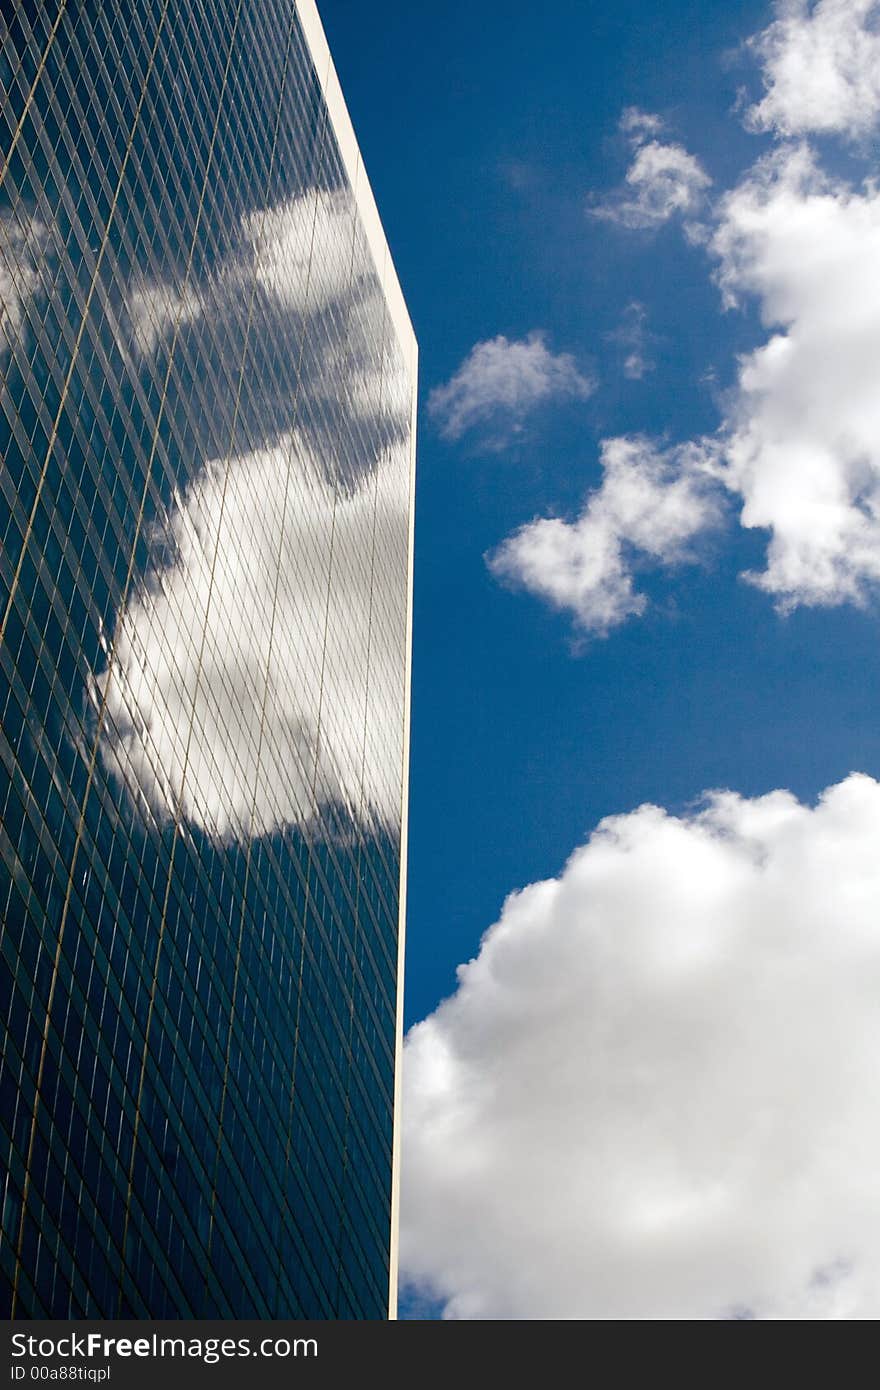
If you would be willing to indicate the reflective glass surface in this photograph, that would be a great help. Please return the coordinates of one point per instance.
(205, 420)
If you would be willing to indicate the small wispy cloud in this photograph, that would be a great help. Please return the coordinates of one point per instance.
(633, 340)
(518, 175)
(651, 504)
(662, 181)
(640, 125)
(500, 383)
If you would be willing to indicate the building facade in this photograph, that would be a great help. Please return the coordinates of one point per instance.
(207, 392)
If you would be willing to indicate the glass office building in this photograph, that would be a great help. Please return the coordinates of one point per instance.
(207, 386)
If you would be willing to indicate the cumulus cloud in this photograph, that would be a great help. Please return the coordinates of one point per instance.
(662, 181)
(821, 67)
(653, 1094)
(802, 433)
(24, 246)
(499, 383)
(650, 505)
(223, 729)
(798, 443)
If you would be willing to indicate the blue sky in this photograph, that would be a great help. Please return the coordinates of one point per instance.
(494, 143)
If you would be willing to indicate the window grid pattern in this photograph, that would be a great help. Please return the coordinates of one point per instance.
(205, 416)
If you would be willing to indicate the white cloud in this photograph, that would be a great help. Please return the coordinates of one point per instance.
(24, 246)
(653, 1094)
(499, 383)
(640, 125)
(662, 181)
(188, 720)
(799, 440)
(821, 68)
(802, 433)
(650, 504)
